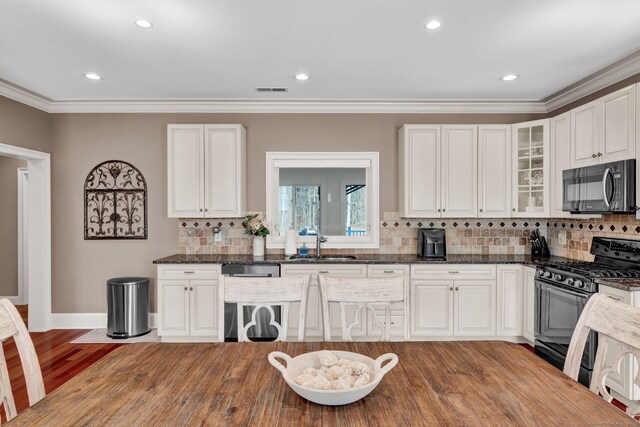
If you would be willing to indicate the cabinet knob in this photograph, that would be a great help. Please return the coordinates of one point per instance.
(599, 154)
(444, 210)
(480, 210)
(451, 288)
(457, 288)
(191, 288)
(206, 210)
(513, 209)
(185, 288)
(593, 155)
(439, 210)
(200, 210)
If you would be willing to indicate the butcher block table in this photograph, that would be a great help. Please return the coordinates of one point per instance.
(434, 383)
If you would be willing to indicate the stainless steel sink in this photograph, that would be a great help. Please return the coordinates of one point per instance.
(338, 257)
(322, 258)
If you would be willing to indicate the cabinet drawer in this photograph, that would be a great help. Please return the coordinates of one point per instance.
(357, 270)
(387, 270)
(453, 272)
(189, 271)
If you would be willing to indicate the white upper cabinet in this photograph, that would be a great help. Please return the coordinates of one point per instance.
(438, 171)
(459, 171)
(618, 119)
(584, 134)
(558, 161)
(420, 171)
(604, 130)
(494, 171)
(530, 179)
(185, 158)
(206, 171)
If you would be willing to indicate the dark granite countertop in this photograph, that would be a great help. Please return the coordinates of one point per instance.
(624, 284)
(360, 259)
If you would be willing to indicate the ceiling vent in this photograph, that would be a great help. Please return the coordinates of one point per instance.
(272, 89)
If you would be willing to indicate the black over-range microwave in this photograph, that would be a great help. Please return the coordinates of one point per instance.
(605, 188)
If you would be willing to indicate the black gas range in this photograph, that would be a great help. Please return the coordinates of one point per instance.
(562, 291)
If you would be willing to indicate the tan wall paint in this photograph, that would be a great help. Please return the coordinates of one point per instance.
(21, 126)
(9, 225)
(81, 141)
(24, 126)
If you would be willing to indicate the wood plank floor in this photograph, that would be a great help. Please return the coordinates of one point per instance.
(59, 360)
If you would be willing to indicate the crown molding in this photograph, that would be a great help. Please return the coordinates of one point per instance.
(24, 96)
(618, 71)
(319, 106)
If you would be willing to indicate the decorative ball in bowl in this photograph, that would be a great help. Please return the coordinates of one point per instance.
(332, 377)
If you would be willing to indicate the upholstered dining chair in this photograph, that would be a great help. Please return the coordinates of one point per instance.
(262, 293)
(11, 325)
(367, 293)
(617, 324)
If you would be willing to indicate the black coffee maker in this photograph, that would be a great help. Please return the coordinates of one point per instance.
(432, 243)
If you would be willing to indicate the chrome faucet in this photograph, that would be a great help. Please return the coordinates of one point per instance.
(319, 239)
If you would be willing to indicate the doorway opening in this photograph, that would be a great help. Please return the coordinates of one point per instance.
(38, 238)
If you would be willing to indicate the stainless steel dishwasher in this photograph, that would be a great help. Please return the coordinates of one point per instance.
(262, 331)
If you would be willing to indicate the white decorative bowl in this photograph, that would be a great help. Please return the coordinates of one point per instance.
(296, 365)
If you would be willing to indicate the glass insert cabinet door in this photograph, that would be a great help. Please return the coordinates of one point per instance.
(531, 169)
(332, 194)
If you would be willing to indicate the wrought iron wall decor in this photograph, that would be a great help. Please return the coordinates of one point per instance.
(115, 202)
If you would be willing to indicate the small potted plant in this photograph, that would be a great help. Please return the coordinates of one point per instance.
(258, 228)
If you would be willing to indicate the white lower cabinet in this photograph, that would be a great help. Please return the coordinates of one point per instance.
(510, 297)
(622, 382)
(528, 306)
(399, 324)
(453, 303)
(431, 308)
(188, 302)
(314, 321)
(474, 308)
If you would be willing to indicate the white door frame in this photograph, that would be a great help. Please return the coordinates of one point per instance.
(23, 221)
(39, 238)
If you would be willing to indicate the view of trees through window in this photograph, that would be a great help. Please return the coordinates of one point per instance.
(300, 208)
(355, 210)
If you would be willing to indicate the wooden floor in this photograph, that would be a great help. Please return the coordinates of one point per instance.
(59, 360)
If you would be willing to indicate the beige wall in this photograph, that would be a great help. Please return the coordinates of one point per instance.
(81, 141)
(9, 225)
(22, 126)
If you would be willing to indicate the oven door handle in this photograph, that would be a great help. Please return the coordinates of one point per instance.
(605, 177)
(559, 288)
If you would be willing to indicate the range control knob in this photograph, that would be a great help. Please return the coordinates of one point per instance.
(547, 274)
(579, 284)
(570, 281)
(558, 277)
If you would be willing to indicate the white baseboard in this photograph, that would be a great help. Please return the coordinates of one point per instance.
(86, 320)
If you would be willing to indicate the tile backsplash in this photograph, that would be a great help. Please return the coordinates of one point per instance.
(464, 235)
(578, 233)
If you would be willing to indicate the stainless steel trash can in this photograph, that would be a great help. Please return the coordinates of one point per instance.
(127, 307)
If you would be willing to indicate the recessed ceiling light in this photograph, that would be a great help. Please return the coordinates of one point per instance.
(302, 76)
(432, 25)
(143, 23)
(509, 77)
(93, 76)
